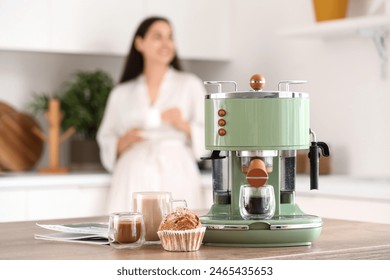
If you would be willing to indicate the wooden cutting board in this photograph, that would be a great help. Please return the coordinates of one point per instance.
(20, 147)
(5, 109)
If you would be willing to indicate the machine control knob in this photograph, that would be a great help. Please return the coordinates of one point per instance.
(257, 82)
(221, 122)
(221, 132)
(221, 112)
(257, 175)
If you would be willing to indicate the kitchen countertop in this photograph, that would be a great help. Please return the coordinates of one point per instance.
(377, 189)
(31, 196)
(29, 180)
(330, 185)
(339, 240)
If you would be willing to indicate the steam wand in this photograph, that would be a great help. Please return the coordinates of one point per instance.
(314, 156)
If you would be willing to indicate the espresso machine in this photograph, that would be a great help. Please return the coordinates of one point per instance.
(253, 137)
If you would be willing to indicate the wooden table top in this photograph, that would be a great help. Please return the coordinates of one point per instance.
(339, 240)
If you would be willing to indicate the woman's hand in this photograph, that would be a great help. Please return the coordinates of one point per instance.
(174, 117)
(131, 137)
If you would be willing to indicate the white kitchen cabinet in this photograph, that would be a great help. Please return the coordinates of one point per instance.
(106, 27)
(94, 27)
(24, 24)
(202, 27)
(347, 198)
(32, 196)
(72, 26)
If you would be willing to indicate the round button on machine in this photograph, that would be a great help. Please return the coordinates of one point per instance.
(221, 132)
(221, 112)
(221, 122)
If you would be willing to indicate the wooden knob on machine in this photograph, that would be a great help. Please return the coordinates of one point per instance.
(257, 82)
(257, 175)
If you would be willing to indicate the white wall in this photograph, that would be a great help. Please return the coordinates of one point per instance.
(349, 98)
(23, 74)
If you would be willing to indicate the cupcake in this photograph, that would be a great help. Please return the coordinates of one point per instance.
(181, 231)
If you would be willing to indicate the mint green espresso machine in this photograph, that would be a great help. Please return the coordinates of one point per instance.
(254, 137)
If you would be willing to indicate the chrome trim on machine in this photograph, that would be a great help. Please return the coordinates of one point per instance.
(257, 94)
(272, 227)
(227, 227)
(257, 153)
(295, 226)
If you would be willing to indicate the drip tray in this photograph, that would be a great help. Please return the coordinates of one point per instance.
(284, 230)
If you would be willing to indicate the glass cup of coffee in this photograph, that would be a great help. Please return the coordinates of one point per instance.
(154, 206)
(257, 203)
(126, 230)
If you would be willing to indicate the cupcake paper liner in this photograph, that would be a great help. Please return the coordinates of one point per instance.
(182, 240)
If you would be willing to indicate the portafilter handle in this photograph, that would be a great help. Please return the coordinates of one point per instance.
(257, 174)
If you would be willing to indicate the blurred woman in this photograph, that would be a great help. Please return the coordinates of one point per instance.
(152, 132)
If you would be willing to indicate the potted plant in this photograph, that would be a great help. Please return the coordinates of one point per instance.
(82, 100)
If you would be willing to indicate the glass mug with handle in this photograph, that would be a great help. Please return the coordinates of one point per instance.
(154, 206)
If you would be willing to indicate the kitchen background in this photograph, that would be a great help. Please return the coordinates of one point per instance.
(348, 79)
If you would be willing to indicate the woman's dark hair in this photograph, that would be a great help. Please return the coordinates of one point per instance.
(135, 61)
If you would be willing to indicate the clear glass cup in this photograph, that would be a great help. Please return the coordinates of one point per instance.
(257, 203)
(126, 230)
(154, 206)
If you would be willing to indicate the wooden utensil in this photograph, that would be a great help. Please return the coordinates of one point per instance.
(20, 147)
(54, 118)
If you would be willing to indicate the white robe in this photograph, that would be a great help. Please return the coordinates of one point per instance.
(166, 159)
